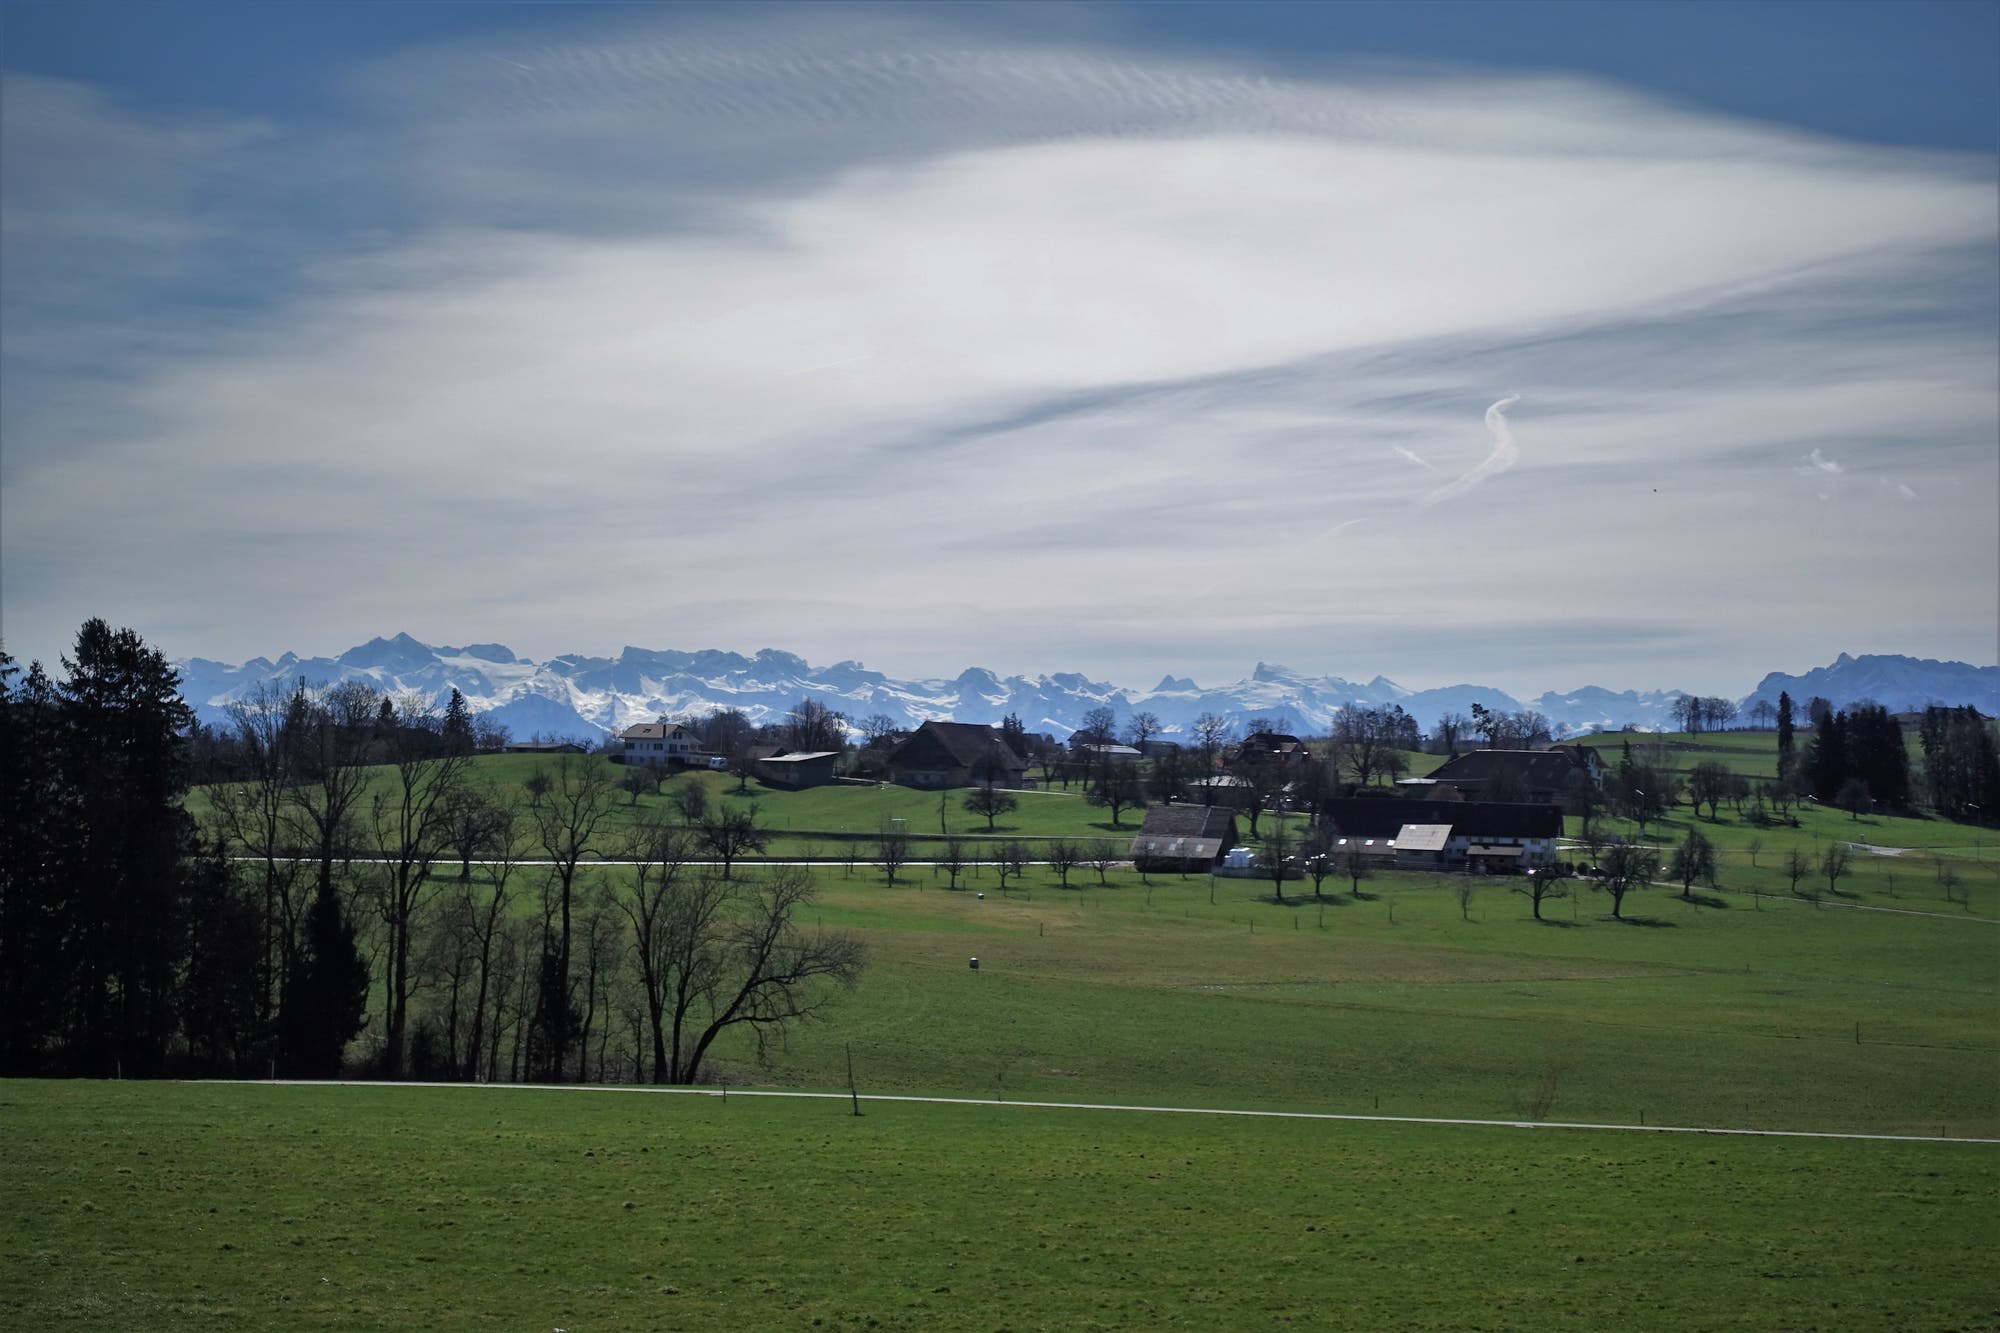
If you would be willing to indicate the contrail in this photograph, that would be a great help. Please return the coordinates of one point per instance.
(1505, 454)
(1411, 454)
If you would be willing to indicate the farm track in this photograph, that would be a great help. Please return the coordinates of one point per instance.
(1442, 1121)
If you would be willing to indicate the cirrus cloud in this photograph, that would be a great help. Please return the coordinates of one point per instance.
(871, 336)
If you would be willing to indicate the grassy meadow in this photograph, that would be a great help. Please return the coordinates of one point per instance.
(219, 1207)
(1872, 1010)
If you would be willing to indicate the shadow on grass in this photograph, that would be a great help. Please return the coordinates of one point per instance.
(1650, 922)
(1558, 925)
(1700, 900)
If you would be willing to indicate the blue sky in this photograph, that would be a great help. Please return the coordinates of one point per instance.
(1637, 344)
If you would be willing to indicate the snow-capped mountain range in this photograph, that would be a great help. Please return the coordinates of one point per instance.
(585, 697)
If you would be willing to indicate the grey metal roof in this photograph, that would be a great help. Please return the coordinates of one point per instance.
(1423, 837)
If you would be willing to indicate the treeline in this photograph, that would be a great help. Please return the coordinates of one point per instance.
(1961, 763)
(347, 864)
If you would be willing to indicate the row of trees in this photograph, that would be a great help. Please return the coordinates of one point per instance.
(349, 861)
(127, 939)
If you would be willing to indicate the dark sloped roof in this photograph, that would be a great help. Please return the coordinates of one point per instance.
(651, 731)
(1531, 768)
(1188, 821)
(1370, 817)
(965, 744)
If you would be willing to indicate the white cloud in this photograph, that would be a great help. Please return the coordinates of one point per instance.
(1504, 456)
(879, 341)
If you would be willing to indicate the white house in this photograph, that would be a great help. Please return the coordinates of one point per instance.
(661, 743)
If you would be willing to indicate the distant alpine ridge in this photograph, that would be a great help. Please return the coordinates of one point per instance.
(586, 697)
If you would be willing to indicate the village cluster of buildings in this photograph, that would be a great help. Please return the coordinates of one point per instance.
(1485, 810)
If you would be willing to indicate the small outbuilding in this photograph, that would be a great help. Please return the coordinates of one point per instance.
(796, 772)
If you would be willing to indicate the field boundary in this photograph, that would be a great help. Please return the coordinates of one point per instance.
(725, 1094)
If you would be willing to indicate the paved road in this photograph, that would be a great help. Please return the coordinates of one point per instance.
(1117, 1106)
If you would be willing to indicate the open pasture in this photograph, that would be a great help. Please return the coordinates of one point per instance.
(1718, 1012)
(242, 1207)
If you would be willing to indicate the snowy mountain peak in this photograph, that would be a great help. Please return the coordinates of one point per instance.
(586, 696)
(399, 654)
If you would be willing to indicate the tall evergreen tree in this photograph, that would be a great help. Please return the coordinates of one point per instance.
(41, 837)
(1827, 759)
(326, 993)
(457, 725)
(1787, 760)
(125, 722)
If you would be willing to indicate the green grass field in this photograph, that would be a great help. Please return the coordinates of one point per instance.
(1873, 1011)
(216, 1207)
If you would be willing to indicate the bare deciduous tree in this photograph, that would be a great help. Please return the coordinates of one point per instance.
(411, 824)
(1063, 857)
(954, 859)
(566, 828)
(730, 954)
(1102, 854)
(1117, 788)
(639, 780)
(1625, 866)
(660, 856)
(1541, 885)
(690, 802)
(991, 802)
(812, 726)
(1011, 860)
(731, 834)
(1357, 865)
(483, 916)
(1211, 734)
(1276, 856)
(1693, 862)
(1797, 866)
(892, 848)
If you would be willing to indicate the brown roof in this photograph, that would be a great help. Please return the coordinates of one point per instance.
(1188, 821)
(965, 744)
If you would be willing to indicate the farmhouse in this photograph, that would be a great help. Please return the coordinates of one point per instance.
(659, 743)
(955, 754)
(1183, 838)
(1567, 775)
(1437, 835)
(1282, 751)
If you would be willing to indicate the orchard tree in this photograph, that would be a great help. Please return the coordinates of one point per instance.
(1542, 884)
(1693, 863)
(1625, 866)
(990, 803)
(1117, 788)
(729, 834)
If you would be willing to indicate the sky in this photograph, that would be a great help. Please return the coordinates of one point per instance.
(1638, 345)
